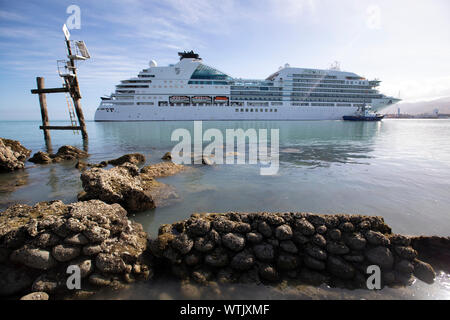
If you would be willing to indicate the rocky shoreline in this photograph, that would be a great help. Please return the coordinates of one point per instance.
(38, 243)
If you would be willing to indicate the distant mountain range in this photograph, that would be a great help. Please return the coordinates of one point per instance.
(442, 104)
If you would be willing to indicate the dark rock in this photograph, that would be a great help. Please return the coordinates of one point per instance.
(46, 239)
(183, 243)
(288, 246)
(335, 234)
(319, 240)
(405, 252)
(355, 241)
(264, 229)
(376, 238)
(134, 158)
(347, 227)
(314, 264)
(198, 227)
(64, 252)
(321, 230)
(268, 272)
(404, 266)
(192, 259)
(340, 268)
(305, 227)
(424, 271)
(167, 156)
(355, 258)
(218, 258)
(233, 241)
(287, 261)
(33, 258)
(254, 237)
(380, 256)
(77, 239)
(243, 261)
(13, 280)
(337, 248)
(299, 238)
(283, 232)
(109, 263)
(316, 252)
(264, 252)
(242, 227)
(41, 158)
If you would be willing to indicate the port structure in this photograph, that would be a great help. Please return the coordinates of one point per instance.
(76, 51)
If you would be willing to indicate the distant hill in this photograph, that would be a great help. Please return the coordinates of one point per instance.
(442, 104)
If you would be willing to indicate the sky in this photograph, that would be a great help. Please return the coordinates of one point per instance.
(404, 43)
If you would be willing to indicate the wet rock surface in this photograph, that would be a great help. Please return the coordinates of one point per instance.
(126, 186)
(39, 243)
(65, 153)
(273, 247)
(12, 155)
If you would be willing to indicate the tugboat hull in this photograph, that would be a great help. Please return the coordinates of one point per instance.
(363, 118)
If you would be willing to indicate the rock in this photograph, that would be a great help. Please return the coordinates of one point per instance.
(12, 155)
(404, 266)
(288, 246)
(264, 252)
(120, 185)
(254, 237)
(316, 252)
(347, 227)
(405, 252)
(319, 240)
(337, 248)
(183, 243)
(305, 227)
(64, 252)
(287, 261)
(13, 280)
(167, 156)
(321, 230)
(434, 250)
(268, 272)
(424, 271)
(77, 239)
(223, 225)
(86, 266)
(354, 258)
(46, 239)
(355, 241)
(340, 268)
(96, 234)
(283, 232)
(92, 249)
(109, 263)
(41, 158)
(218, 258)
(335, 234)
(45, 283)
(264, 229)
(299, 238)
(69, 153)
(204, 244)
(198, 227)
(314, 264)
(33, 258)
(100, 280)
(35, 296)
(233, 241)
(133, 158)
(380, 256)
(243, 261)
(376, 238)
(242, 227)
(163, 169)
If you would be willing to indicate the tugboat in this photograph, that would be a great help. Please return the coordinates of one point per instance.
(364, 114)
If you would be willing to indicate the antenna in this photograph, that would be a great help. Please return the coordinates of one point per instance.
(336, 66)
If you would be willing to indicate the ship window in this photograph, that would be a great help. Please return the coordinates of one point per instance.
(242, 110)
(246, 110)
(207, 73)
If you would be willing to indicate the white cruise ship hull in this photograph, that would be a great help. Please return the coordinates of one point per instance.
(179, 113)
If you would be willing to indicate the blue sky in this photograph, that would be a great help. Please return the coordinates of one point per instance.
(405, 43)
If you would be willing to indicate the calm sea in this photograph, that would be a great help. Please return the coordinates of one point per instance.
(398, 169)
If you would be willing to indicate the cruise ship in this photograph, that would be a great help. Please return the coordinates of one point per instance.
(192, 90)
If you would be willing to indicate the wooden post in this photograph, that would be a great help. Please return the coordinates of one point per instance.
(44, 113)
(75, 93)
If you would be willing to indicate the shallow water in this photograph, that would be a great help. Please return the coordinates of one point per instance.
(398, 169)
